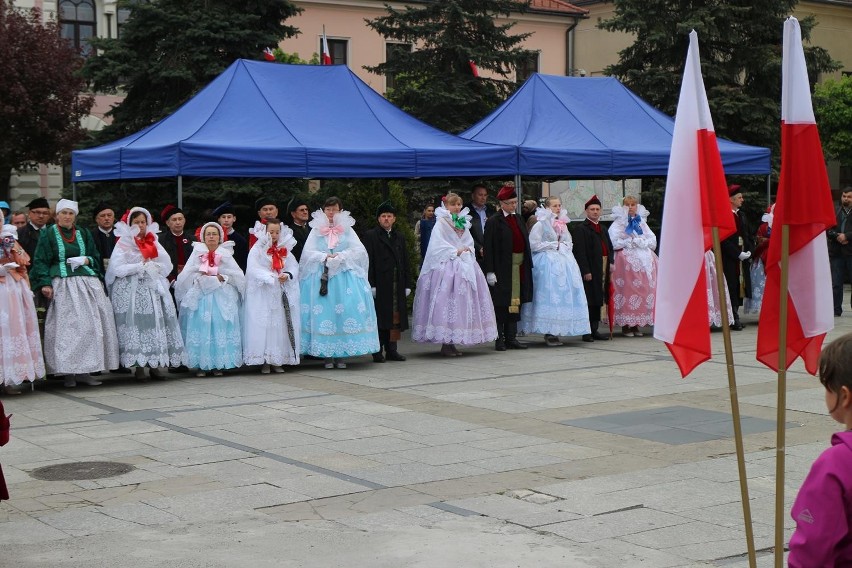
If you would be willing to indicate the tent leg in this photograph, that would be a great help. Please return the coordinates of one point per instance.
(180, 192)
(768, 190)
(73, 192)
(520, 192)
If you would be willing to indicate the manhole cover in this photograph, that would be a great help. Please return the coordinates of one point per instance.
(81, 470)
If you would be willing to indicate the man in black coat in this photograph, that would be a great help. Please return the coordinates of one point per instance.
(104, 235)
(593, 251)
(298, 222)
(390, 281)
(480, 211)
(840, 248)
(736, 252)
(37, 219)
(225, 216)
(176, 241)
(508, 267)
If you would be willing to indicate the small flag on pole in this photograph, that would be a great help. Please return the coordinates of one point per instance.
(473, 68)
(268, 55)
(696, 197)
(804, 204)
(326, 55)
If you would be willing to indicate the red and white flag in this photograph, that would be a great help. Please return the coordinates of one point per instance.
(696, 200)
(473, 68)
(804, 204)
(326, 55)
(268, 55)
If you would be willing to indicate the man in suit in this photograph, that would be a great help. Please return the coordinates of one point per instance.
(507, 264)
(480, 211)
(266, 209)
(224, 215)
(594, 254)
(736, 252)
(390, 281)
(176, 241)
(840, 248)
(104, 235)
(298, 222)
(39, 215)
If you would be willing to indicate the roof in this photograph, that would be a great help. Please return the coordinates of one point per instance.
(557, 7)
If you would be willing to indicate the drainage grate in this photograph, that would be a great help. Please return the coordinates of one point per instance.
(81, 470)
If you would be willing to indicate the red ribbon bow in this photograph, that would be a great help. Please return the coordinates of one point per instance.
(147, 245)
(278, 256)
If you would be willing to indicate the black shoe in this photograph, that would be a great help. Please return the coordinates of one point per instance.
(588, 338)
(395, 356)
(122, 371)
(737, 326)
(499, 345)
(515, 344)
(379, 358)
(600, 336)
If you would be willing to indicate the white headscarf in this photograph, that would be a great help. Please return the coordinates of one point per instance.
(67, 204)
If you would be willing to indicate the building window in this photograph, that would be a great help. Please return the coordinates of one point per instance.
(392, 50)
(338, 49)
(527, 67)
(77, 23)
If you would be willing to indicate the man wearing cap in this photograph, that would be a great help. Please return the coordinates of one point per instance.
(480, 211)
(266, 209)
(104, 236)
(390, 281)
(224, 215)
(299, 215)
(176, 241)
(736, 252)
(508, 267)
(39, 215)
(593, 251)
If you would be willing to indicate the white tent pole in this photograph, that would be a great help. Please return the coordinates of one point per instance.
(73, 192)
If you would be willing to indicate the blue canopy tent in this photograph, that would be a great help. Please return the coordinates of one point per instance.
(586, 128)
(261, 119)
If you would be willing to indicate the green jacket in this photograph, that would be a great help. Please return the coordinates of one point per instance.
(53, 250)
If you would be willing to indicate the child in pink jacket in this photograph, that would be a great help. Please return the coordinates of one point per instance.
(823, 507)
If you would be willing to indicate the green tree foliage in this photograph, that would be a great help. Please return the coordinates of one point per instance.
(434, 82)
(833, 109)
(40, 101)
(170, 49)
(740, 45)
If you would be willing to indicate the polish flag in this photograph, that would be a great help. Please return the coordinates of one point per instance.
(326, 55)
(696, 198)
(473, 68)
(804, 205)
(268, 55)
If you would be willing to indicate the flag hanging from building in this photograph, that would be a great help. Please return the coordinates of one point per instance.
(803, 203)
(268, 55)
(473, 68)
(696, 200)
(326, 55)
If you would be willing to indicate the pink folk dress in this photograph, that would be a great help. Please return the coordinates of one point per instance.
(634, 278)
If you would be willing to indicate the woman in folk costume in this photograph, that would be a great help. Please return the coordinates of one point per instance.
(145, 316)
(271, 308)
(714, 306)
(208, 292)
(21, 357)
(559, 305)
(452, 304)
(758, 264)
(338, 312)
(634, 277)
(79, 332)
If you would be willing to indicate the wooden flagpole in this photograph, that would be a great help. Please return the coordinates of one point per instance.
(735, 404)
(781, 418)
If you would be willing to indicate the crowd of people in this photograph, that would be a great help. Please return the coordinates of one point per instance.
(132, 297)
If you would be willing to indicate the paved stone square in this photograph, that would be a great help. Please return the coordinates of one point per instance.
(585, 455)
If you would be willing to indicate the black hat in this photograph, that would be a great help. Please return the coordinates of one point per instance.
(263, 201)
(38, 203)
(386, 207)
(224, 208)
(168, 211)
(295, 203)
(100, 207)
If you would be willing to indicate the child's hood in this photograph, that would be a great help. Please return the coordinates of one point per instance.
(844, 438)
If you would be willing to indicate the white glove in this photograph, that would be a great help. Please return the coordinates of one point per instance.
(333, 262)
(373, 292)
(407, 292)
(76, 262)
(745, 255)
(491, 278)
(208, 284)
(151, 268)
(552, 245)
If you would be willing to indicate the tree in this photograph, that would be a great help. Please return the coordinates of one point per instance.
(435, 81)
(833, 109)
(170, 49)
(40, 102)
(740, 44)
